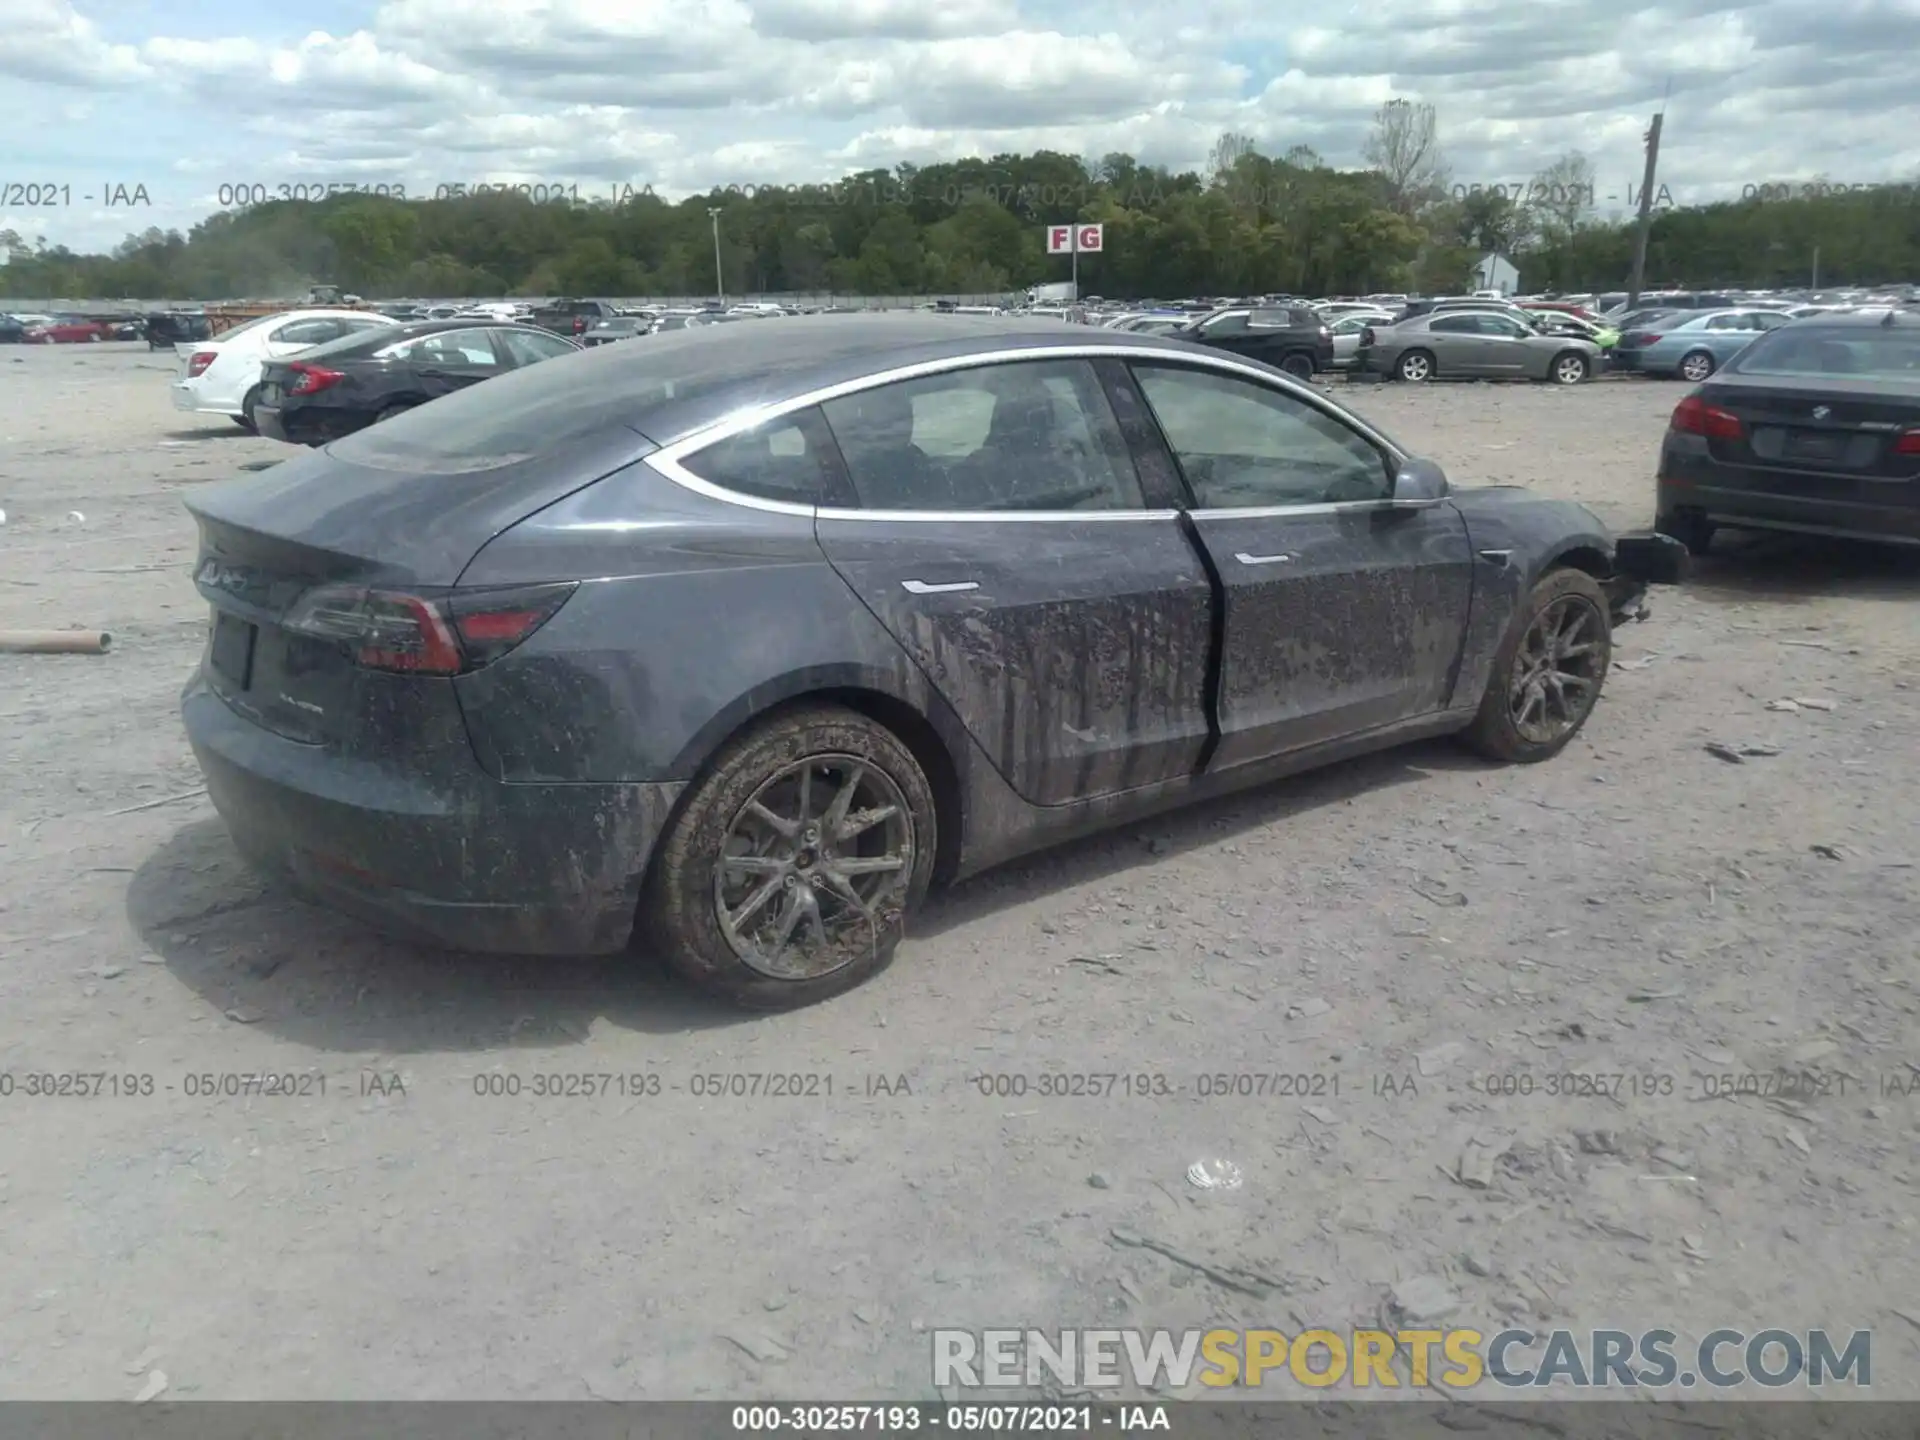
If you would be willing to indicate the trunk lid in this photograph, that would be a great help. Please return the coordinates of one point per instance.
(269, 538)
(1844, 430)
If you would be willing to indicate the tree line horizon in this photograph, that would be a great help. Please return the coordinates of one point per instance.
(1250, 223)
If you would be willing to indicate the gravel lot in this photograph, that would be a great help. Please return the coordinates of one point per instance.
(1404, 927)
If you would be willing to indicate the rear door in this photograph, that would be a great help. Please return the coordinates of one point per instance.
(1458, 346)
(452, 360)
(1343, 612)
(999, 530)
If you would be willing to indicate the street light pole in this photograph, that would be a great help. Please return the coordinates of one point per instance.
(719, 278)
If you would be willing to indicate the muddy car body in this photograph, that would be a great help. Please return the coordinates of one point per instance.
(773, 626)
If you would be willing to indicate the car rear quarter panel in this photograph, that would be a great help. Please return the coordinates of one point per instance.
(701, 615)
(1538, 533)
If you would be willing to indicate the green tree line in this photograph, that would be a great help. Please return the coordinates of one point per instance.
(1250, 223)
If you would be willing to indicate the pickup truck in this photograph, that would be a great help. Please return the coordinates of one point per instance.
(573, 317)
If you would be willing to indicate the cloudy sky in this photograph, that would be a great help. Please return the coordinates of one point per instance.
(185, 98)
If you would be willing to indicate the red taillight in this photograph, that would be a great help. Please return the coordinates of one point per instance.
(313, 378)
(1693, 416)
(415, 635)
(201, 359)
(579, 324)
(1908, 443)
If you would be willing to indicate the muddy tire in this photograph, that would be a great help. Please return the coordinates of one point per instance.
(772, 890)
(1548, 673)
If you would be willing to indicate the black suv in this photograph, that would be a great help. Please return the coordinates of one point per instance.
(1292, 338)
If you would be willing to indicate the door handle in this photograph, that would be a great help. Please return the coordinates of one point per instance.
(1245, 559)
(921, 587)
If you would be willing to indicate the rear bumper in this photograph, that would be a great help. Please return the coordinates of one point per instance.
(472, 864)
(187, 396)
(297, 427)
(1885, 511)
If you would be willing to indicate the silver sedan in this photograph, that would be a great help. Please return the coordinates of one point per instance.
(1474, 344)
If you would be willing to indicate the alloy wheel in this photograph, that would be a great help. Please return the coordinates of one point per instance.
(1570, 370)
(814, 867)
(1696, 367)
(1556, 672)
(1415, 367)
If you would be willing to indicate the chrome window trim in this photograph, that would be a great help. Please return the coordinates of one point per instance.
(666, 461)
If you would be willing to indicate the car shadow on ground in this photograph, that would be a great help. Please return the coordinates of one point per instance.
(1749, 565)
(316, 978)
(227, 430)
(1111, 853)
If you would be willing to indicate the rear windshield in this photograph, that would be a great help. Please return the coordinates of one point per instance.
(1869, 354)
(541, 408)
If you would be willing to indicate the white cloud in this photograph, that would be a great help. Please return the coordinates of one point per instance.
(684, 94)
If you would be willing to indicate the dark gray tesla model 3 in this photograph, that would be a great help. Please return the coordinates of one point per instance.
(748, 634)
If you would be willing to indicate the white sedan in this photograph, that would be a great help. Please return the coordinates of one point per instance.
(221, 376)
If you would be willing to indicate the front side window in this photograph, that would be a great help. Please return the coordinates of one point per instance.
(1234, 322)
(1027, 436)
(1243, 446)
(527, 348)
(468, 349)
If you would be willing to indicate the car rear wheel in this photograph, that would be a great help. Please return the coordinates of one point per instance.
(1696, 366)
(1299, 366)
(1548, 672)
(1569, 369)
(1689, 527)
(245, 418)
(1415, 366)
(390, 412)
(791, 870)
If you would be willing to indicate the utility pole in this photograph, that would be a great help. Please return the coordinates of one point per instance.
(1646, 214)
(719, 277)
(1816, 269)
(1076, 262)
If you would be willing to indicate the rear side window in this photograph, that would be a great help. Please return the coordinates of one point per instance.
(1026, 436)
(789, 458)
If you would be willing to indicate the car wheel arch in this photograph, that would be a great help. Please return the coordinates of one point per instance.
(866, 694)
(1580, 555)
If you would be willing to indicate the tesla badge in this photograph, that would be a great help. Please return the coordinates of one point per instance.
(1820, 412)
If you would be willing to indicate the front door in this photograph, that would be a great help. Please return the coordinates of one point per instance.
(1344, 613)
(1508, 345)
(1003, 538)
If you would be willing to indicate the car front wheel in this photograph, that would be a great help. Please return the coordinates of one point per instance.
(1548, 672)
(1569, 369)
(790, 872)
